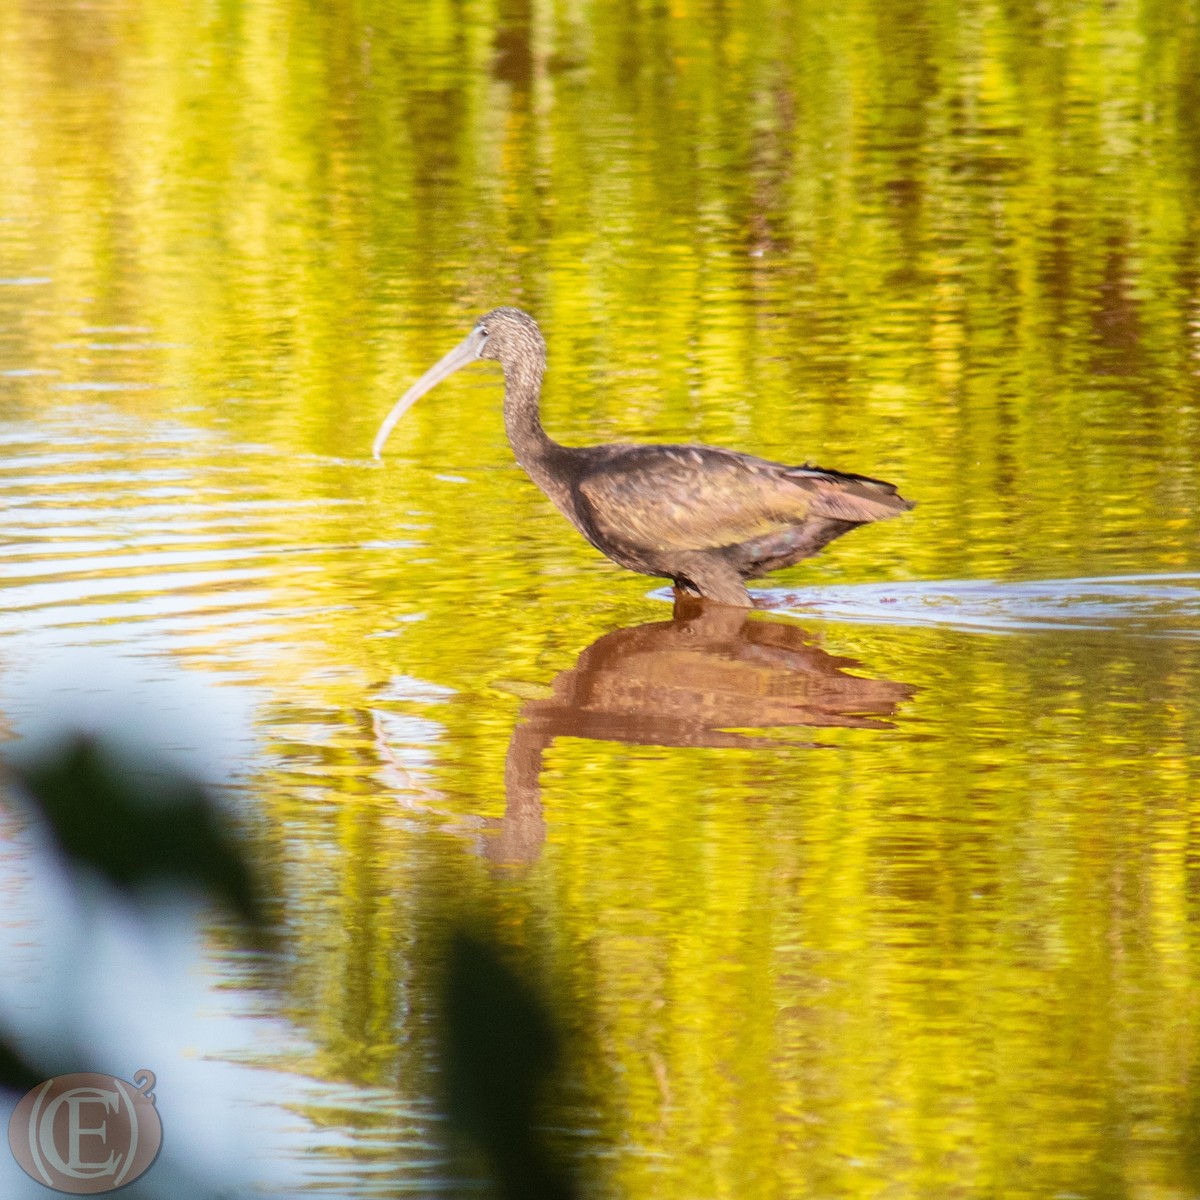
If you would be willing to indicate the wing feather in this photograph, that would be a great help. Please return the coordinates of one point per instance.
(680, 498)
(701, 497)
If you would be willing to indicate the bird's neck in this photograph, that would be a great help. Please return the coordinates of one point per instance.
(543, 459)
(533, 447)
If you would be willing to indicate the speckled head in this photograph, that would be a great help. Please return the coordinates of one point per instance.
(508, 334)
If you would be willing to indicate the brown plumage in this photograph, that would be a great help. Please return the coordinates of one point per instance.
(704, 517)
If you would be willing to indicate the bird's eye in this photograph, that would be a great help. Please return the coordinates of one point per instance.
(483, 333)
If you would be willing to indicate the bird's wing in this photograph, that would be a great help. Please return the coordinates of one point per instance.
(701, 497)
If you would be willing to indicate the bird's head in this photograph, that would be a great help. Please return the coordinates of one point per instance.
(504, 334)
(507, 333)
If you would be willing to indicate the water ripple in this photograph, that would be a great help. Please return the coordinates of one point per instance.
(125, 536)
(1138, 605)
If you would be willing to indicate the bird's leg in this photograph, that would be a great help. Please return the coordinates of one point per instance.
(714, 579)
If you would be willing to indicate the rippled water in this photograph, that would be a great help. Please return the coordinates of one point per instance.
(887, 889)
(1163, 606)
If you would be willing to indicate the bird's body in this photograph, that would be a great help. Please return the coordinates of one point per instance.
(704, 517)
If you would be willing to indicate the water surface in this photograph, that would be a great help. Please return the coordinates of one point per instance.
(888, 890)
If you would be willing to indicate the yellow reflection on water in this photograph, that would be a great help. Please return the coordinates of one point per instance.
(947, 950)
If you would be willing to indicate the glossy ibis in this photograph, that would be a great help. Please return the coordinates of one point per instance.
(704, 517)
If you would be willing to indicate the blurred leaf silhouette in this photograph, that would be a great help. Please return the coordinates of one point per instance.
(16, 1073)
(137, 824)
(499, 1050)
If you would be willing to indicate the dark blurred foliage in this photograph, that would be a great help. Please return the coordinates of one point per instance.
(498, 1051)
(15, 1072)
(137, 824)
(140, 825)
(148, 829)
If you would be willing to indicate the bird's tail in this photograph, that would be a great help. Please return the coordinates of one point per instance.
(846, 497)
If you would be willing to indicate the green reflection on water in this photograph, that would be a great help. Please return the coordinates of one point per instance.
(952, 245)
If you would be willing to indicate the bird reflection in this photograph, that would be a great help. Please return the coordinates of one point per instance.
(691, 681)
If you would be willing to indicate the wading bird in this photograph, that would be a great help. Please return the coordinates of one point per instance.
(703, 517)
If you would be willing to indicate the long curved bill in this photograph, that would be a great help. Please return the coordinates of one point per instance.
(462, 354)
